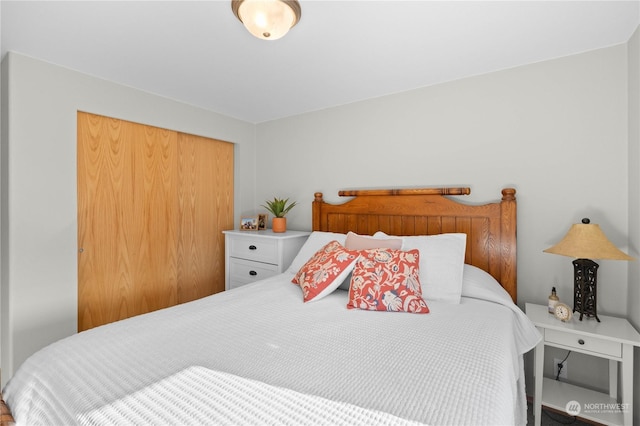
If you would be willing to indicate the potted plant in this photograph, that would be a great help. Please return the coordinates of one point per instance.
(279, 207)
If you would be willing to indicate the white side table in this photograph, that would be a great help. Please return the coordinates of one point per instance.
(612, 338)
(255, 255)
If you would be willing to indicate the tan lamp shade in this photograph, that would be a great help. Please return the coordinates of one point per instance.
(587, 241)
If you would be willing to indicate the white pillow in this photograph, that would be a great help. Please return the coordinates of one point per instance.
(441, 264)
(315, 242)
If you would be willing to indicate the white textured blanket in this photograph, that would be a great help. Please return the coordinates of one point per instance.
(199, 396)
(459, 364)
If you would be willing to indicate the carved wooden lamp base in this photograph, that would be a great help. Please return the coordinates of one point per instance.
(585, 277)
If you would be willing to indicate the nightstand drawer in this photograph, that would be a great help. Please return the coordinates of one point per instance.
(255, 255)
(245, 271)
(584, 343)
(252, 248)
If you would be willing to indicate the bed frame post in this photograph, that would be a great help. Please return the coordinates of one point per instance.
(508, 233)
(317, 210)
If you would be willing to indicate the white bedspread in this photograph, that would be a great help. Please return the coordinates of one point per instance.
(459, 364)
(199, 396)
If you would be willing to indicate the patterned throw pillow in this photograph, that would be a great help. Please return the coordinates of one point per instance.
(444, 253)
(325, 271)
(387, 280)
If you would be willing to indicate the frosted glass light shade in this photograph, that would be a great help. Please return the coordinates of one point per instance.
(267, 19)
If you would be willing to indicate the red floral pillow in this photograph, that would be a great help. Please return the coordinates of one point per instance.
(387, 280)
(325, 271)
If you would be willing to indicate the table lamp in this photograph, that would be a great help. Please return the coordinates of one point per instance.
(586, 241)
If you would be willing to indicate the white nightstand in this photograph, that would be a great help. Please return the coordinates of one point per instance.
(255, 255)
(612, 338)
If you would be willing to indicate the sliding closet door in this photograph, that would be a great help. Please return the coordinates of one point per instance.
(154, 221)
(206, 203)
(151, 207)
(127, 223)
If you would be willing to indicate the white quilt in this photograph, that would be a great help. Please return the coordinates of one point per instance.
(459, 364)
(199, 396)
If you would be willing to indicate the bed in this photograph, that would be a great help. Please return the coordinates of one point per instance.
(259, 354)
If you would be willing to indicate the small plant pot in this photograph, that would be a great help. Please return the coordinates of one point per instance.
(279, 224)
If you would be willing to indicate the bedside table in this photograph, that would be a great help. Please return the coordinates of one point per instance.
(255, 255)
(612, 338)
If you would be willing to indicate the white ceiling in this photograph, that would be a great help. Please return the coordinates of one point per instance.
(340, 51)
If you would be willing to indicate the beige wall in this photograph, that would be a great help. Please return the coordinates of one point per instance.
(39, 226)
(554, 130)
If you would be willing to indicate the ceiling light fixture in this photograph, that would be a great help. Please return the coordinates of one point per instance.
(267, 19)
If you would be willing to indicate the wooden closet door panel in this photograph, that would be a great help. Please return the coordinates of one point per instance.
(155, 218)
(127, 219)
(151, 207)
(206, 208)
(105, 202)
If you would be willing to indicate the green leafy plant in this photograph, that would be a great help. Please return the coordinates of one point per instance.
(279, 207)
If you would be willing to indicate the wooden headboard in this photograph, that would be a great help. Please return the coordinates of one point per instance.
(490, 228)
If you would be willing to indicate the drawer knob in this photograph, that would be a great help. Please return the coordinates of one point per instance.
(252, 247)
(581, 341)
(253, 273)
